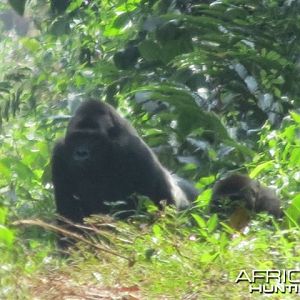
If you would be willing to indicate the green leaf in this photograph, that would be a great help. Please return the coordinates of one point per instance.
(157, 231)
(200, 221)
(296, 117)
(23, 170)
(150, 51)
(212, 223)
(31, 44)
(261, 167)
(204, 198)
(5, 168)
(208, 258)
(6, 236)
(75, 4)
(121, 20)
(3, 214)
(293, 212)
(294, 157)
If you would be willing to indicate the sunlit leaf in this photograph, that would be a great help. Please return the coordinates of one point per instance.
(6, 236)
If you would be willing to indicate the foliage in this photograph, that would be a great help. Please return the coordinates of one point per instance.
(211, 86)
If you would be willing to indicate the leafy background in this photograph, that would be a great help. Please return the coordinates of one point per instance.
(211, 86)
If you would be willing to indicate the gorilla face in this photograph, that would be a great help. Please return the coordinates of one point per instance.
(90, 140)
(87, 149)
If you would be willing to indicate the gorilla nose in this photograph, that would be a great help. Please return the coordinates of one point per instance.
(81, 153)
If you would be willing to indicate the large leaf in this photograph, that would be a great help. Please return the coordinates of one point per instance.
(190, 115)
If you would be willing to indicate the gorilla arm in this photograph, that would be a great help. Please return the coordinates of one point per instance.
(150, 177)
(66, 204)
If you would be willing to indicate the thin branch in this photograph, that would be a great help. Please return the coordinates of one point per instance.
(72, 235)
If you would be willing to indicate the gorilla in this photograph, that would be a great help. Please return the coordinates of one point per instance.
(241, 190)
(102, 160)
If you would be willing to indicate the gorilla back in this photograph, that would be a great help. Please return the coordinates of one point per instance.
(102, 159)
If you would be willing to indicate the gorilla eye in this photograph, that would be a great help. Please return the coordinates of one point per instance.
(113, 132)
(88, 124)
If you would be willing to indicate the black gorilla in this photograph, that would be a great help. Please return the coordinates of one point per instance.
(244, 191)
(102, 159)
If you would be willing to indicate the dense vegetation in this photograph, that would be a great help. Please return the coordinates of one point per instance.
(211, 86)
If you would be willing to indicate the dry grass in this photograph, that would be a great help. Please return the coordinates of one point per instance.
(62, 286)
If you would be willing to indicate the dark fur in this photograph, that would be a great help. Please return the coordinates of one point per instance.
(243, 191)
(102, 158)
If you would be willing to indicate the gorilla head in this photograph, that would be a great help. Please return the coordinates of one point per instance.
(102, 159)
(241, 190)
